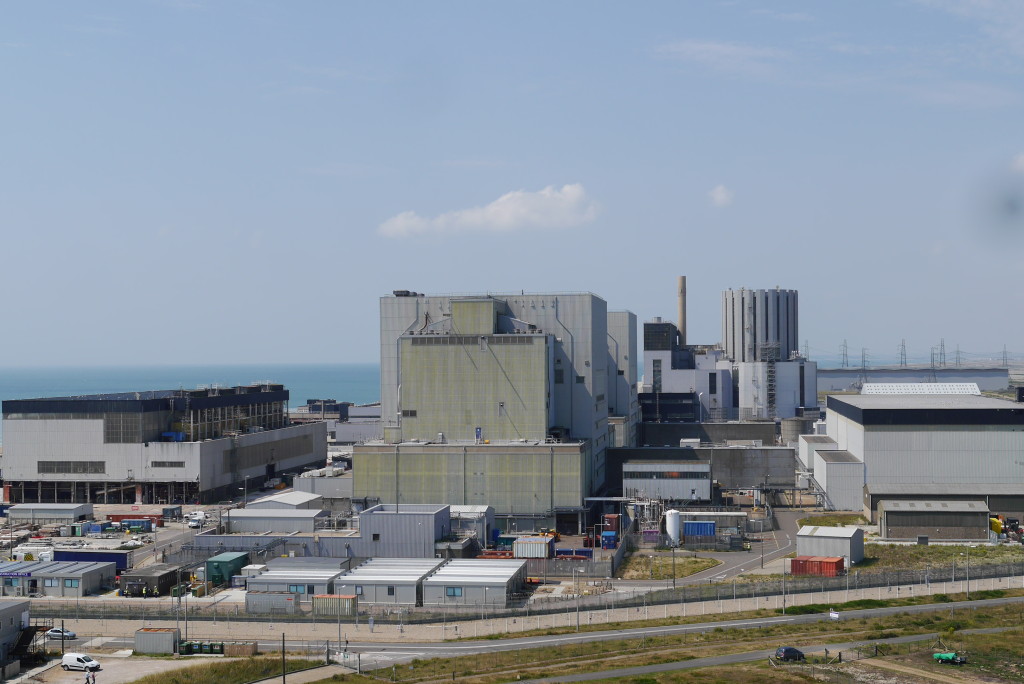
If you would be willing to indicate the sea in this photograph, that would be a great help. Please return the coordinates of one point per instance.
(357, 383)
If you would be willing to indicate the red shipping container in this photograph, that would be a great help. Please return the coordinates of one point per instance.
(611, 522)
(819, 566)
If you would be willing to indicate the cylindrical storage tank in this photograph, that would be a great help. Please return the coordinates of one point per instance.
(276, 602)
(699, 528)
(611, 522)
(532, 547)
(792, 428)
(672, 526)
(157, 640)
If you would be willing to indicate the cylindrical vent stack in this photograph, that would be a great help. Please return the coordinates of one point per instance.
(682, 311)
(759, 323)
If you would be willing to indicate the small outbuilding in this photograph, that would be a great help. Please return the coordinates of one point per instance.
(261, 520)
(936, 519)
(388, 581)
(55, 578)
(49, 513)
(475, 582)
(288, 501)
(821, 541)
(303, 579)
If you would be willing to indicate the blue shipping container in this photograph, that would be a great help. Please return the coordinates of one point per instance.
(589, 553)
(699, 528)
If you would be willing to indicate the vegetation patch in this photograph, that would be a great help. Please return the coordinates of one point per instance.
(659, 566)
(234, 672)
(833, 520)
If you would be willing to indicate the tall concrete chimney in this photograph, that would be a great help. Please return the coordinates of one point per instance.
(682, 310)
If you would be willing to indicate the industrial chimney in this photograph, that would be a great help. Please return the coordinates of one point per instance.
(682, 311)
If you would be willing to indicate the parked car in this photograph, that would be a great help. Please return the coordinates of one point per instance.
(195, 523)
(789, 653)
(79, 661)
(58, 633)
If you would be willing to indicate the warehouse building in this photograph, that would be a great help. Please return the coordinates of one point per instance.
(732, 467)
(500, 400)
(844, 542)
(928, 445)
(945, 520)
(280, 520)
(808, 445)
(56, 578)
(288, 501)
(14, 617)
(388, 581)
(475, 582)
(166, 446)
(49, 513)
(672, 482)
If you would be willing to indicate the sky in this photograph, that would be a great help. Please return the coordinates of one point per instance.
(239, 182)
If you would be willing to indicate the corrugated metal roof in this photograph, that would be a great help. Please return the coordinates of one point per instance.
(394, 570)
(923, 401)
(817, 439)
(49, 506)
(937, 506)
(475, 571)
(829, 532)
(948, 489)
(290, 498)
(240, 513)
(920, 388)
(837, 457)
(38, 568)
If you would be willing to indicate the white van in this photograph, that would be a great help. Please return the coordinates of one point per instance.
(79, 661)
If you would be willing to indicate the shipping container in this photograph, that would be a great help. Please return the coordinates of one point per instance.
(273, 602)
(122, 559)
(172, 512)
(609, 543)
(817, 566)
(588, 553)
(157, 640)
(335, 605)
(612, 534)
(221, 568)
(533, 547)
(505, 541)
(155, 518)
(157, 580)
(611, 522)
(699, 528)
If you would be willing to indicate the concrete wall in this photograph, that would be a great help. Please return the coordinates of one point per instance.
(327, 487)
(14, 616)
(669, 434)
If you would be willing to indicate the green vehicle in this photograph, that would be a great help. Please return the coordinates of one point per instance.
(949, 658)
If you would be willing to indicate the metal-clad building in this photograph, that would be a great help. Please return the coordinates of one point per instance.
(1000, 497)
(328, 487)
(406, 531)
(847, 542)
(752, 319)
(14, 617)
(960, 520)
(56, 578)
(49, 513)
(143, 447)
(238, 520)
(474, 581)
(679, 481)
(388, 581)
(841, 474)
(289, 501)
(302, 579)
(809, 444)
(472, 521)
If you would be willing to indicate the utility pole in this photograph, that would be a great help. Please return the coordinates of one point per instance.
(844, 349)
(903, 353)
(942, 352)
(283, 671)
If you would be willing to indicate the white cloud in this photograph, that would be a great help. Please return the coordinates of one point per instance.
(729, 57)
(721, 196)
(1018, 163)
(551, 207)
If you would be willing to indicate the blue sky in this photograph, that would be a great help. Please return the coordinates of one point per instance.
(216, 182)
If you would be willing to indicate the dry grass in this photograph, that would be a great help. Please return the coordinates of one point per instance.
(833, 520)
(659, 565)
(234, 672)
(914, 557)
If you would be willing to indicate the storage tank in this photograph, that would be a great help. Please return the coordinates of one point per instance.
(792, 428)
(672, 526)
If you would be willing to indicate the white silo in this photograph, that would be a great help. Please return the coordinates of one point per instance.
(672, 526)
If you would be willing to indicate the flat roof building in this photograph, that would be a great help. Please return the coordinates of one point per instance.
(388, 581)
(937, 519)
(164, 446)
(56, 578)
(847, 542)
(288, 501)
(475, 582)
(262, 520)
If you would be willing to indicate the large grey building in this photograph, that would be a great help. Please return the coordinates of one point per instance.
(153, 447)
(497, 394)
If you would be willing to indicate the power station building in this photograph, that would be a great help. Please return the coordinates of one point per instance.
(502, 400)
(153, 447)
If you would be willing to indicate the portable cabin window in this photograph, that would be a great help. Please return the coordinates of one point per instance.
(297, 588)
(51, 582)
(359, 590)
(71, 584)
(391, 590)
(453, 591)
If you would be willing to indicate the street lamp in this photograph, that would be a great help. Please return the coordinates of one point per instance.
(245, 490)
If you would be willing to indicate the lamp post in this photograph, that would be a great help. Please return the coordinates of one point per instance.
(673, 566)
(245, 491)
(576, 590)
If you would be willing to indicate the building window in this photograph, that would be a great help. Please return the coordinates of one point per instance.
(71, 467)
(51, 582)
(580, 379)
(391, 590)
(453, 591)
(712, 383)
(70, 584)
(167, 464)
(621, 372)
(359, 590)
(376, 536)
(297, 588)
(559, 376)
(10, 581)
(408, 413)
(656, 372)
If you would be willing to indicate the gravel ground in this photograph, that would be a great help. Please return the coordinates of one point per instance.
(118, 669)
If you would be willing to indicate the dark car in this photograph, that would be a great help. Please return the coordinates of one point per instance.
(789, 653)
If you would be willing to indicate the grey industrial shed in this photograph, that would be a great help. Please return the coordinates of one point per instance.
(947, 520)
(289, 501)
(240, 520)
(298, 576)
(48, 513)
(847, 542)
(476, 582)
(55, 578)
(14, 617)
(388, 581)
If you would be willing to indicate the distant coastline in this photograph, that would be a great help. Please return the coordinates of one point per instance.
(358, 383)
